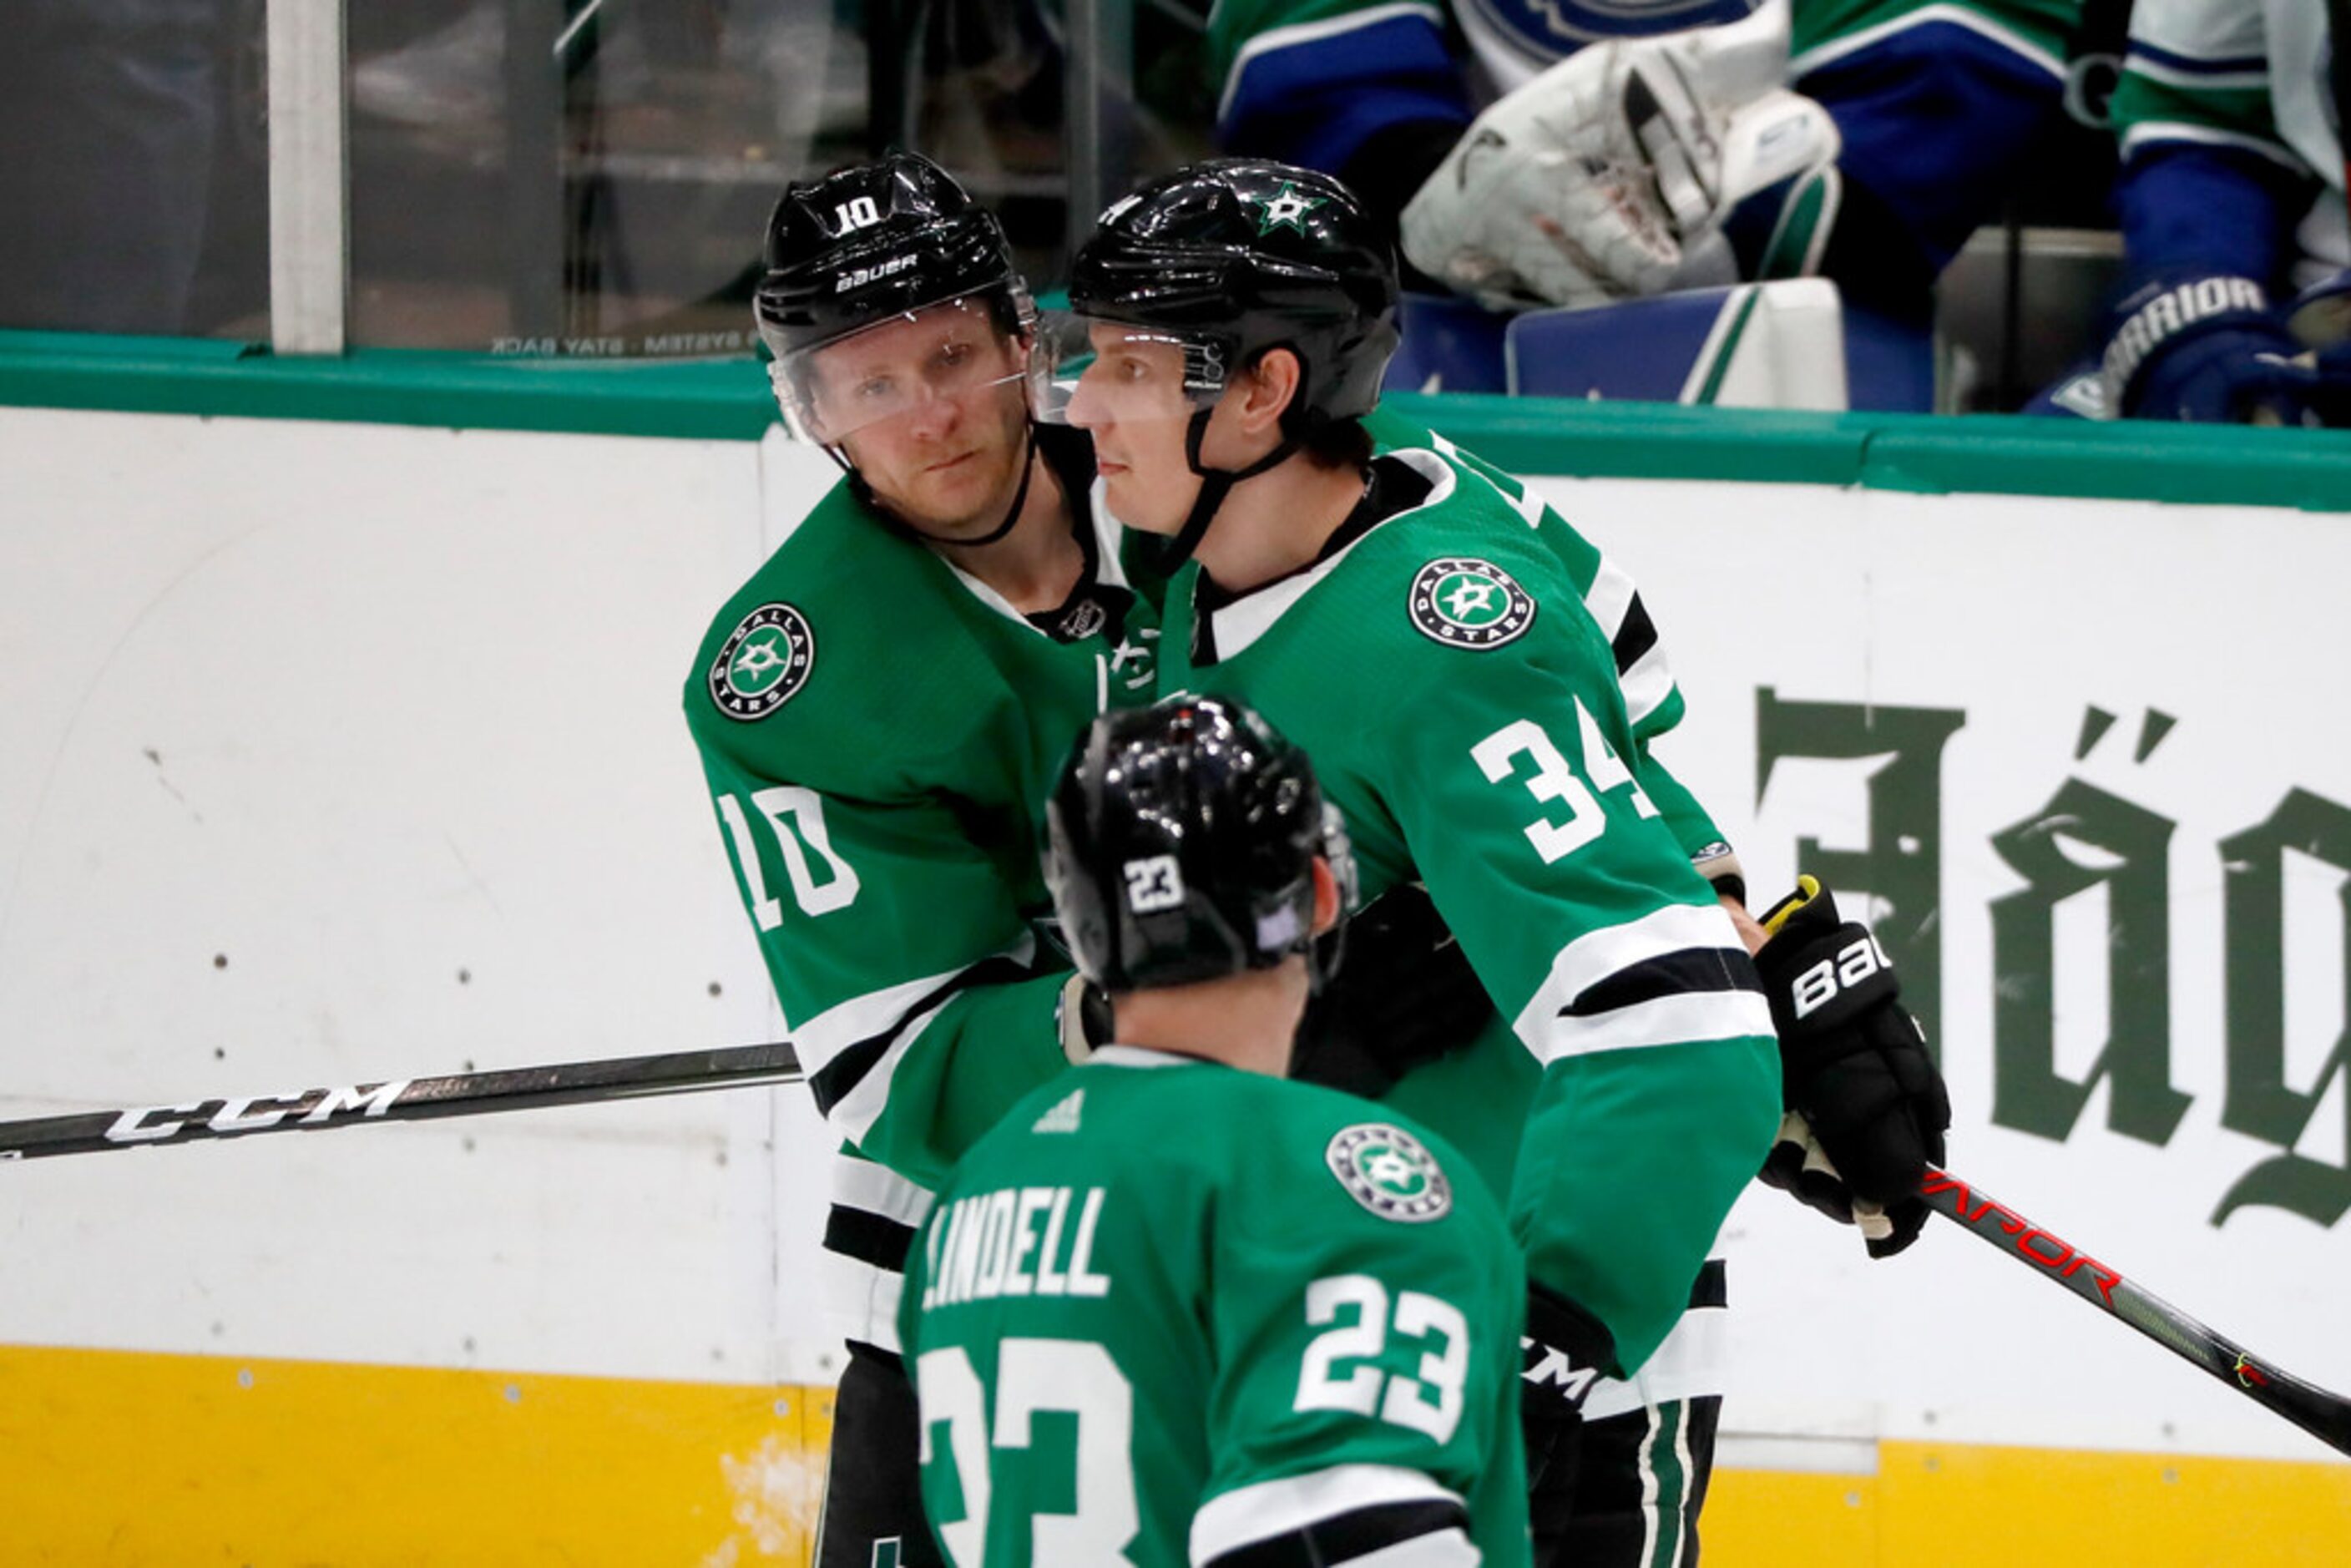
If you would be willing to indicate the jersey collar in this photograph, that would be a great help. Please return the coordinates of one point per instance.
(1223, 627)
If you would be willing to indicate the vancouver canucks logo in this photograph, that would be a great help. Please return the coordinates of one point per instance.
(1464, 603)
(763, 662)
(1284, 209)
(1546, 29)
(1389, 1172)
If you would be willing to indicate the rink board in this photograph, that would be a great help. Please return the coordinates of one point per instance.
(333, 752)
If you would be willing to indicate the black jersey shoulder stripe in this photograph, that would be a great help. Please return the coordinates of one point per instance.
(838, 1078)
(1635, 635)
(1680, 973)
(1713, 1287)
(1344, 1537)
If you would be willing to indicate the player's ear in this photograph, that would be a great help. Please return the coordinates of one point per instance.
(1272, 384)
(1326, 897)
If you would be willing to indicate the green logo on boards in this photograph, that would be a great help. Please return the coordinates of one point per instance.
(1464, 603)
(1284, 209)
(763, 662)
(1389, 1172)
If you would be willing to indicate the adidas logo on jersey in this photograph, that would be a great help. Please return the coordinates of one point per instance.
(1063, 1117)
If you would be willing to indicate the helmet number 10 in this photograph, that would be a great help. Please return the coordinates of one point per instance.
(857, 213)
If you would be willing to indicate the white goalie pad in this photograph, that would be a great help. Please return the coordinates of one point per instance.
(1608, 176)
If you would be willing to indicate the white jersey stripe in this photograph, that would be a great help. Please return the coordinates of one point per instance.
(855, 1113)
(2155, 133)
(1694, 1360)
(862, 1301)
(830, 1032)
(1609, 597)
(873, 1188)
(1552, 1034)
(1596, 955)
(1649, 1488)
(1667, 1020)
(1646, 685)
(2254, 78)
(1284, 1507)
(877, 1013)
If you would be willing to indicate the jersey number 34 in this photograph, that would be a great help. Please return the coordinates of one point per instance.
(1555, 779)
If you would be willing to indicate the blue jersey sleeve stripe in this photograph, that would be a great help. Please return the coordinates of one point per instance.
(2191, 65)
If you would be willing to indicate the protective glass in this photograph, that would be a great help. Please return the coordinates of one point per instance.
(1090, 371)
(898, 366)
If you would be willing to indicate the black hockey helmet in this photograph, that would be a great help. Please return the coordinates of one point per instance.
(1180, 846)
(871, 243)
(1249, 255)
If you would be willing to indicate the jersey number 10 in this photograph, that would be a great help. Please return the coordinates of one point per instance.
(796, 816)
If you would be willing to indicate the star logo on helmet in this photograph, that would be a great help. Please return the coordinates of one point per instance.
(1284, 209)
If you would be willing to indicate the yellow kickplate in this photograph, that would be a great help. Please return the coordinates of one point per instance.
(1944, 1505)
(120, 1458)
(116, 1457)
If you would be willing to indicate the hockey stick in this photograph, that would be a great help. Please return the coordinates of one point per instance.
(2325, 1416)
(400, 1100)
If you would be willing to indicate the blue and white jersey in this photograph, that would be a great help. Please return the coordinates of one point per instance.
(2226, 117)
(1311, 80)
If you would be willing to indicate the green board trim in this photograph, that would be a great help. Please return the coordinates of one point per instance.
(721, 399)
(727, 400)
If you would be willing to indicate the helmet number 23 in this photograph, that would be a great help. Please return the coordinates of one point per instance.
(1553, 779)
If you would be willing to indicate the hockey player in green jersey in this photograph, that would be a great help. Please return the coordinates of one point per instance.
(880, 711)
(1174, 1309)
(1414, 621)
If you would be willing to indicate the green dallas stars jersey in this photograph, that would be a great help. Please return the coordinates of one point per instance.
(879, 732)
(1463, 711)
(1170, 1308)
(1651, 701)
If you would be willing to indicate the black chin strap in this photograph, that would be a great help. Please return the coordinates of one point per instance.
(1216, 483)
(865, 493)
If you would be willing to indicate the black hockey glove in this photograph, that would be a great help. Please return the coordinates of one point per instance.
(1566, 1352)
(1405, 995)
(1867, 1105)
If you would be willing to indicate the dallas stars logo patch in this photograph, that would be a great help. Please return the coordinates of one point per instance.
(763, 662)
(1284, 209)
(1389, 1172)
(1464, 603)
